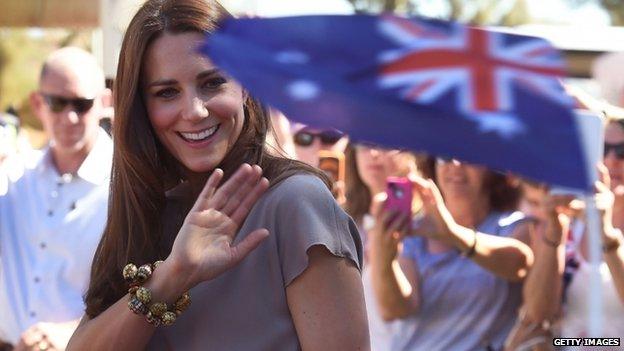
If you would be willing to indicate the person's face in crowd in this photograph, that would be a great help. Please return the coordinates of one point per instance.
(459, 180)
(614, 142)
(308, 143)
(532, 203)
(69, 104)
(375, 164)
(196, 111)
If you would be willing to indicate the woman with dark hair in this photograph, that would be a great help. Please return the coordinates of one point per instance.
(265, 269)
(368, 167)
(455, 284)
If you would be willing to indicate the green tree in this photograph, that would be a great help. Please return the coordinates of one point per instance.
(487, 12)
(484, 12)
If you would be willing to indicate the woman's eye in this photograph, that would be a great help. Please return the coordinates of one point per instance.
(166, 93)
(213, 83)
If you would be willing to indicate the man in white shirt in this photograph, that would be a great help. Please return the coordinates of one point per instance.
(53, 206)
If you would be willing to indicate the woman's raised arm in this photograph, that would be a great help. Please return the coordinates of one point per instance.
(201, 251)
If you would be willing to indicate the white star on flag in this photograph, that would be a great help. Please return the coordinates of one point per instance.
(507, 126)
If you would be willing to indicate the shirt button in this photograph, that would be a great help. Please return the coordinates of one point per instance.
(54, 194)
(50, 213)
(43, 245)
(37, 279)
(33, 314)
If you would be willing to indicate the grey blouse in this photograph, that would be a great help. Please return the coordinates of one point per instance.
(246, 308)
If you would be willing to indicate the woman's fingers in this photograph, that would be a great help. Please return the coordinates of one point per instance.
(208, 191)
(603, 175)
(398, 224)
(242, 249)
(243, 208)
(231, 186)
(237, 197)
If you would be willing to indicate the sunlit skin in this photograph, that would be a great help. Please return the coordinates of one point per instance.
(614, 134)
(460, 181)
(532, 203)
(374, 165)
(185, 93)
(310, 153)
(72, 135)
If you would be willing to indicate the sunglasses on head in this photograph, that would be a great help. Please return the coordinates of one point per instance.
(58, 103)
(327, 137)
(617, 148)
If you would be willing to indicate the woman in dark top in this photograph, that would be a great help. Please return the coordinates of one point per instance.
(265, 269)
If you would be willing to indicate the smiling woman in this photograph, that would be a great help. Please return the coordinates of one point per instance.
(184, 191)
(195, 110)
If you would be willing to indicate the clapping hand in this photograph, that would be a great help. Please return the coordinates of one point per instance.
(203, 248)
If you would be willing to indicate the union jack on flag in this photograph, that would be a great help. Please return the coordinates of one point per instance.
(483, 97)
(479, 67)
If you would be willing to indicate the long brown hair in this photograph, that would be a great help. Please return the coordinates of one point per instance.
(143, 170)
(357, 193)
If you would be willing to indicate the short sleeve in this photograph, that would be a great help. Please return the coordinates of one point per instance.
(307, 215)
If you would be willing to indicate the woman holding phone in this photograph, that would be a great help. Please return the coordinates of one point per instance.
(455, 284)
(256, 254)
(367, 169)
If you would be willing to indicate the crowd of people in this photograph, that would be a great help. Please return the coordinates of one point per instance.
(208, 221)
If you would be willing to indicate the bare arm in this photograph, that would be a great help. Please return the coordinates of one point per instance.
(614, 258)
(327, 304)
(201, 251)
(118, 328)
(507, 257)
(615, 261)
(543, 286)
(395, 280)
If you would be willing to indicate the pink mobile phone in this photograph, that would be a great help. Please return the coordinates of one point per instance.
(399, 191)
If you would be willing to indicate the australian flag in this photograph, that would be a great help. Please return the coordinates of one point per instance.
(447, 89)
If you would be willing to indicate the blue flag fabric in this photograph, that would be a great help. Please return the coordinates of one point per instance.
(440, 87)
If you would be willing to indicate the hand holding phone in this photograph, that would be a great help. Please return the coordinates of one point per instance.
(399, 195)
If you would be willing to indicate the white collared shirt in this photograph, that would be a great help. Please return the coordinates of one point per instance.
(50, 226)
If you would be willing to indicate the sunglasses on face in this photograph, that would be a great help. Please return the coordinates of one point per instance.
(327, 137)
(617, 148)
(58, 104)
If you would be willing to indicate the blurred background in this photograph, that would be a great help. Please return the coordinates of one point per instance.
(589, 32)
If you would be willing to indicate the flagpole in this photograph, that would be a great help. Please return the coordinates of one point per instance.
(594, 303)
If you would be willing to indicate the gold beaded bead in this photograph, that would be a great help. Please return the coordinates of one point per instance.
(182, 303)
(129, 272)
(158, 308)
(143, 273)
(168, 318)
(133, 289)
(153, 320)
(157, 263)
(144, 295)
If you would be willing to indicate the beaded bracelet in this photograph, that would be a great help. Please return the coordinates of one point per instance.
(140, 301)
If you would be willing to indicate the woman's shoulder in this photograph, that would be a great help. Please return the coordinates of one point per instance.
(300, 186)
